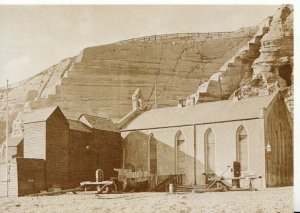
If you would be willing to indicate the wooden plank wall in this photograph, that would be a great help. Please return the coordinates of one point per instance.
(31, 176)
(12, 183)
(279, 162)
(106, 152)
(35, 140)
(57, 154)
(78, 166)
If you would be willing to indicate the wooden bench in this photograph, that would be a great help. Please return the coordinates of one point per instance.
(221, 181)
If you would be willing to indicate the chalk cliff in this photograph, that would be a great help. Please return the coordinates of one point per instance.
(264, 65)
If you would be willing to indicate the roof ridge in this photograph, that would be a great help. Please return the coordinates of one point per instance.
(70, 119)
(215, 102)
(208, 112)
(40, 114)
(95, 116)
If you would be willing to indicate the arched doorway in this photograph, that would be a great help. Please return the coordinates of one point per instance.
(180, 154)
(285, 72)
(242, 148)
(209, 151)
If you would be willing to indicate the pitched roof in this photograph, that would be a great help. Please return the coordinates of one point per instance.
(77, 125)
(13, 141)
(209, 112)
(137, 92)
(98, 123)
(37, 115)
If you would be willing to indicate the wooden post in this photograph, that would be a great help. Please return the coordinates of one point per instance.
(195, 155)
(6, 145)
(155, 100)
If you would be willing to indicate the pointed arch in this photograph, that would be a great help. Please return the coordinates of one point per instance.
(242, 150)
(180, 151)
(210, 149)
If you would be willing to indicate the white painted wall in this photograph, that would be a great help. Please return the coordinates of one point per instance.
(225, 134)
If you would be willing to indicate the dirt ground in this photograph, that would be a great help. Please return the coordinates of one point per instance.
(266, 200)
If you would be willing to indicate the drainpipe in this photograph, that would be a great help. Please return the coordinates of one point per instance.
(195, 155)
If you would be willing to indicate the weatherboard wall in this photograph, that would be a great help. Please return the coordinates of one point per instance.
(31, 176)
(35, 140)
(12, 180)
(105, 152)
(79, 166)
(279, 134)
(57, 150)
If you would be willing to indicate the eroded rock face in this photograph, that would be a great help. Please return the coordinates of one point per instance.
(238, 69)
(263, 66)
(273, 69)
(277, 49)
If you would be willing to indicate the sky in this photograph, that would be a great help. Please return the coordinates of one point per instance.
(33, 38)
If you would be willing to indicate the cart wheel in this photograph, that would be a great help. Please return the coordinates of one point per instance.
(112, 189)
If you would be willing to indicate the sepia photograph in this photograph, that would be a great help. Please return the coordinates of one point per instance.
(147, 108)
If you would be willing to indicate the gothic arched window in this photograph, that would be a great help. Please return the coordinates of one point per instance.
(242, 148)
(210, 151)
(180, 153)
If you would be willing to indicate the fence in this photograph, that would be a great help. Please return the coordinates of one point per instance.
(175, 35)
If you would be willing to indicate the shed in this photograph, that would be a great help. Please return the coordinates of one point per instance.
(46, 136)
(106, 144)
(81, 136)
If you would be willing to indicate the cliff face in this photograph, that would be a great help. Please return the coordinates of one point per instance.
(24, 92)
(261, 67)
(274, 68)
(101, 79)
(264, 65)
